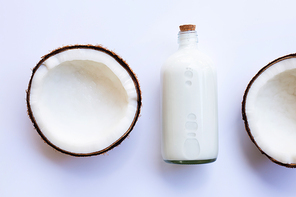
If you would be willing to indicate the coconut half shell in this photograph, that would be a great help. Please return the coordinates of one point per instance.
(269, 110)
(83, 100)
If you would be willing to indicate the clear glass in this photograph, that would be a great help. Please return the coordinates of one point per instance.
(190, 162)
(189, 105)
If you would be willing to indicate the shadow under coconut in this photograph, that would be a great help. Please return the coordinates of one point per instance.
(278, 177)
(94, 166)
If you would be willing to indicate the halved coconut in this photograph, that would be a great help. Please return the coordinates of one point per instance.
(269, 110)
(83, 100)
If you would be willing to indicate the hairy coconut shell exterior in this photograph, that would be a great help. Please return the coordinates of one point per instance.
(245, 118)
(121, 62)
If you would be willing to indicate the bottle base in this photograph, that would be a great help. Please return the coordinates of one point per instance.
(190, 162)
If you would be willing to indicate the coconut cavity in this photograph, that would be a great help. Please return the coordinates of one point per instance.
(83, 101)
(269, 110)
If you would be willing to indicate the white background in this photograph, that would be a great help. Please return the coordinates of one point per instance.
(240, 36)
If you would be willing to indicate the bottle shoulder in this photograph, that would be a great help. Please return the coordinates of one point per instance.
(186, 57)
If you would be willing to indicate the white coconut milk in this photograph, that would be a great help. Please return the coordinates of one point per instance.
(189, 105)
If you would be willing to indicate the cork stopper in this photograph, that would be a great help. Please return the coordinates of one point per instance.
(187, 27)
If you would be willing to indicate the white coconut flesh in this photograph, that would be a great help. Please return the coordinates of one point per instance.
(83, 100)
(271, 111)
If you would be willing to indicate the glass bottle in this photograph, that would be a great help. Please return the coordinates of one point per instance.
(189, 104)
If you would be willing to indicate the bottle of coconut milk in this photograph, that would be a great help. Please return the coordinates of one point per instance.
(189, 104)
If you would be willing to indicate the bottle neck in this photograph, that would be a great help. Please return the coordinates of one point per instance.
(187, 39)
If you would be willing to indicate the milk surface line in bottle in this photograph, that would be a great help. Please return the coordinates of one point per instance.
(189, 104)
